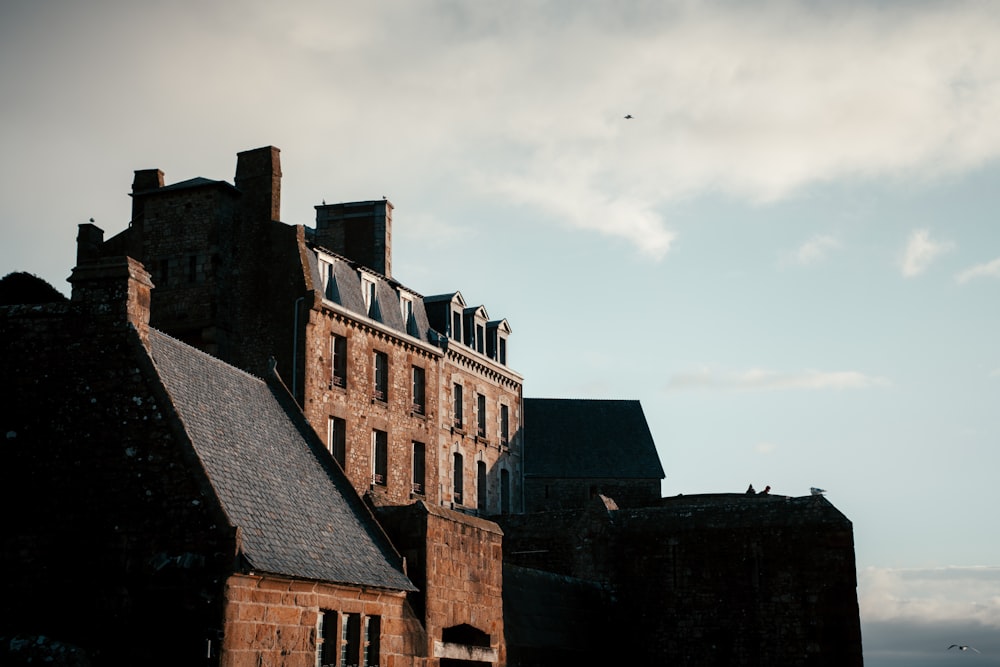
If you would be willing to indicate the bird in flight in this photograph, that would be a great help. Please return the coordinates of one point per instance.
(628, 116)
(963, 647)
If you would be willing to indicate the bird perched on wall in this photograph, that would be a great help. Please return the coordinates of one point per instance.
(816, 492)
(750, 490)
(628, 116)
(963, 647)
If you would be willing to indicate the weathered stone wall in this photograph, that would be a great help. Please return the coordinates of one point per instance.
(708, 580)
(273, 621)
(456, 561)
(116, 546)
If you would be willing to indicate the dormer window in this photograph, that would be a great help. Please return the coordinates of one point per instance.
(456, 325)
(370, 296)
(406, 309)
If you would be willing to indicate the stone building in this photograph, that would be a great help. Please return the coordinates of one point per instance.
(384, 495)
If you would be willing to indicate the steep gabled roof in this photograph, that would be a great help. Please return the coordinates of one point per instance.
(583, 438)
(298, 514)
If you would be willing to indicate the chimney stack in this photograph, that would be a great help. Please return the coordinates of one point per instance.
(89, 239)
(258, 178)
(360, 231)
(116, 290)
(143, 181)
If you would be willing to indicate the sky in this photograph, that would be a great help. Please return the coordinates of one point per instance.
(789, 254)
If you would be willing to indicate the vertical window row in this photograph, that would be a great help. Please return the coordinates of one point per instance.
(344, 640)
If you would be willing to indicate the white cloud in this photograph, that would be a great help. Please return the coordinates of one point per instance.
(764, 380)
(920, 251)
(989, 269)
(815, 250)
(965, 594)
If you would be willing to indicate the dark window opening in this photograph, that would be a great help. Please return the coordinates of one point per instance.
(380, 457)
(381, 392)
(504, 424)
(505, 492)
(327, 637)
(419, 390)
(338, 361)
(192, 269)
(456, 326)
(336, 440)
(419, 466)
(373, 641)
(458, 479)
(481, 486)
(457, 411)
(481, 415)
(350, 640)
(480, 337)
(503, 351)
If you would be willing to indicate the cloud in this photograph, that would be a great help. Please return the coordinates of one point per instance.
(938, 595)
(523, 103)
(814, 250)
(764, 380)
(989, 269)
(920, 252)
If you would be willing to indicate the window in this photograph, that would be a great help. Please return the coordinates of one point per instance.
(192, 268)
(338, 361)
(336, 439)
(481, 486)
(457, 411)
(504, 424)
(505, 492)
(380, 457)
(350, 640)
(326, 639)
(481, 415)
(458, 479)
(373, 643)
(368, 293)
(456, 325)
(419, 390)
(419, 466)
(480, 338)
(406, 309)
(381, 376)
(503, 351)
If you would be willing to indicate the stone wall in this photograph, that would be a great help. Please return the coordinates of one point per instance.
(543, 494)
(275, 621)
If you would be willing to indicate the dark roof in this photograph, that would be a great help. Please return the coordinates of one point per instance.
(197, 182)
(298, 514)
(583, 438)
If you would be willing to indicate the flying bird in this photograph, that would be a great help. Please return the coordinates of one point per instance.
(628, 116)
(816, 492)
(963, 647)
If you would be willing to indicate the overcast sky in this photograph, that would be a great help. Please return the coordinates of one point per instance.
(790, 254)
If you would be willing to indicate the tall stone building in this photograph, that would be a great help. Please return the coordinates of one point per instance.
(247, 443)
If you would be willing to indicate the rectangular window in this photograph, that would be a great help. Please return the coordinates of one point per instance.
(406, 309)
(503, 351)
(504, 424)
(380, 457)
(192, 268)
(419, 466)
(350, 640)
(338, 361)
(456, 326)
(336, 439)
(381, 376)
(368, 292)
(481, 415)
(457, 410)
(458, 479)
(373, 641)
(481, 486)
(480, 337)
(327, 639)
(419, 390)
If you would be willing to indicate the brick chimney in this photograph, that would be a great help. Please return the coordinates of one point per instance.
(115, 290)
(258, 178)
(89, 239)
(360, 231)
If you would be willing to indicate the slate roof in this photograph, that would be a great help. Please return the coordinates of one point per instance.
(298, 514)
(584, 438)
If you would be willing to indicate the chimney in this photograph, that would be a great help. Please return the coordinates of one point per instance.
(143, 181)
(89, 239)
(258, 178)
(115, 290)
(360, 231)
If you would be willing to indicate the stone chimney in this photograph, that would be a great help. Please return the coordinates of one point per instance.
(89, 239)
(115, 290)
(360, 231)
(258, 178)
(143, 181)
